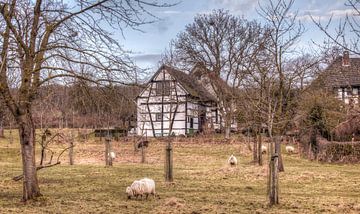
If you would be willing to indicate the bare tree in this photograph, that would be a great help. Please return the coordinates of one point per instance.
(347, 33)
(219, 42)
(285, 31)
(45, 40)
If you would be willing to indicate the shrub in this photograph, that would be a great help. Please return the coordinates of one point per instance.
(339, 152)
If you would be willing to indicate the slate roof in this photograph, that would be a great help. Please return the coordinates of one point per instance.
(337, 75)
(190, 84)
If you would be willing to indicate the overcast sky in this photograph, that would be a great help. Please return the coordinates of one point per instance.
(148, 46)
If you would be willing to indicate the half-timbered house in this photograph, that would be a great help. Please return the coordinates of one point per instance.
(175, 103)
(342, 77)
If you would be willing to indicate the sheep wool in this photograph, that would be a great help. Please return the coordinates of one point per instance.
(148, 186)
(129, 192)
(263, 149)
(136, 189)
(290, 149)
(232, 160)
(112, 155)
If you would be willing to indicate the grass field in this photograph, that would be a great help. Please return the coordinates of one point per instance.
(203, 183)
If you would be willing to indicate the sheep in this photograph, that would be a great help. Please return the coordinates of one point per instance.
(144, 143)
(135, 190)
(290, 149)
(148, 187)
(232, 160)
(263, 149)
(112, 155)
(141, 187)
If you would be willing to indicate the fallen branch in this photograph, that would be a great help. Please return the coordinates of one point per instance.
(19, 177)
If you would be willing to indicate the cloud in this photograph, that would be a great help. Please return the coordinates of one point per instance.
(152, 58)
(243, 6)
(317, 15)
(171, 12)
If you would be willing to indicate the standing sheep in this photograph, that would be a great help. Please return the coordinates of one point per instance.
(232, 160)
(290, 149)
(263, 149)
(148, 187)
(135, 189)
(112, 155)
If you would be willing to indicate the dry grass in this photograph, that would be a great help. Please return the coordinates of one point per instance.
(203, 182)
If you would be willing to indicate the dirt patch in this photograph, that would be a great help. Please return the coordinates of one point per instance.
(174, 202)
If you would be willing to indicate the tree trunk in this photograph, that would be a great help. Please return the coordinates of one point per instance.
(169, 162)
(227, 132)
(31, 188)
(260, 159)
(1, 132)
(278, 152)
(227, 127)
(255, 152)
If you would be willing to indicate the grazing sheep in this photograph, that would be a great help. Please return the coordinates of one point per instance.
(144, 144)
(290, 149)
(232, 160)
(135, 189)
(263, 149)
(112, 155)
(148, 187)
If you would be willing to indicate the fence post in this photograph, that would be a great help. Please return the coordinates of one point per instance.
(108, 159)
(71, 152)
(142, 154)
(274, 180)
(168, 162)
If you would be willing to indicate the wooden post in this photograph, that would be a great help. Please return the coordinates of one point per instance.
(143, 154)
(260, 159)
(110, 150)
(168, 162)
(274, 180)
(108, 160)
(71, 152)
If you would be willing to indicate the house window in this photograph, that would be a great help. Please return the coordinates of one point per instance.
(349, 91)
(158, 116)
(163, 88)
(191, 121)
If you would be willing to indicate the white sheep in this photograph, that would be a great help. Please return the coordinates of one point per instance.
(112, 155)
(148, 187)
(289, 149)
(135, 190)
(232, 160)
(263, 149)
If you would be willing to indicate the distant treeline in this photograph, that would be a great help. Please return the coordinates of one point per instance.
(80, 106)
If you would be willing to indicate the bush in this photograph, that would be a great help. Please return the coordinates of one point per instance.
(339, 152)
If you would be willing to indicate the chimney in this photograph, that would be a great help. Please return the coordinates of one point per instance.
(346, 59)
